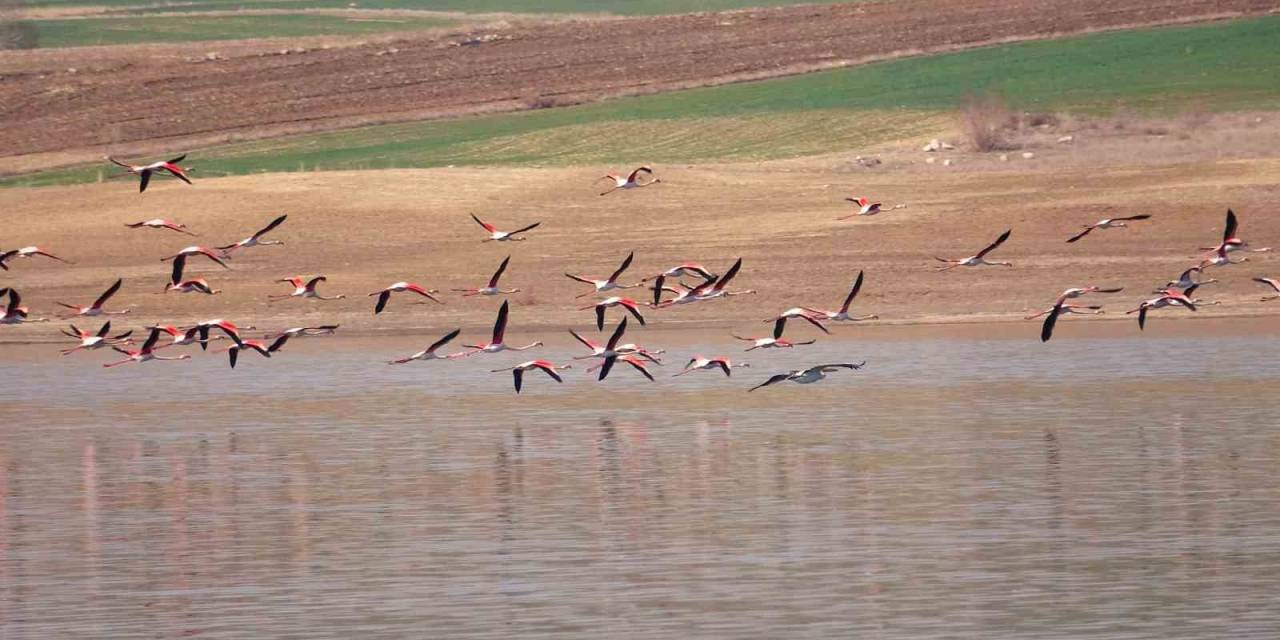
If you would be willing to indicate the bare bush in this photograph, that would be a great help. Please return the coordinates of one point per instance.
(987, 122)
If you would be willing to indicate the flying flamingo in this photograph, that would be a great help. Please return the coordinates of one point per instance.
(810, 375)
(147, 352)
(194, 250)
(1220, 256)
(517, 372)
(255, 240)
(224, 326)
(811, 317)
(976, 260)
(304, 288)
(1230, 240)
(14, 312)
(430, 352)
(1076, 292)
(96, 309)
(865, 208)
(97, 340)
(179, 336)
(1270, 282)
(496, 344)
(636, 363)
(697, 363)
(843, 314)
(502, 236)
(685, 269)
(774, 342)
(233, 352)
(1109, 223)
(719, 290)
(613, 348)
(631, 181)
(1188, 279)
(1058, 309)
(385, 294)
(616, 301)
(490, 289)
(144, 171)
(1170, 296)
(26, 252)
(161, 223)
(305, 332)
(611, 283)
(176, 283)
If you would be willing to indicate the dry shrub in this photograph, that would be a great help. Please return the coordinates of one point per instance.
(987, 122)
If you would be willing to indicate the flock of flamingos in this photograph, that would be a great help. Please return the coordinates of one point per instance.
(668, 289)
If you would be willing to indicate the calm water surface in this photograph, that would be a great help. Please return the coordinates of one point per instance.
(1110, 488)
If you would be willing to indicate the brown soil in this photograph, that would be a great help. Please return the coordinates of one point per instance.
(131, 100)
(365, 230)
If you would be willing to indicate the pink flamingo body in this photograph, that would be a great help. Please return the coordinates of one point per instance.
(609, 283)
(431, 352)
(978, 259)
(502, 236)
(162, 167)
(384, 295)
(546, 366)
(497, 342)
(161, 223)
(304, 287)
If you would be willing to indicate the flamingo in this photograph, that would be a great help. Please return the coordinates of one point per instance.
(636, 363)
(1058, 309)
(89, 341)
(304, 288)
(631, 181)
(1076, 292)
(1188, 279)
(1270, 282)
(176, 283)
(147, 352)
(385, 294)
(719, 290)
(490, 289)
(616, 301)
(517, 372)
(611, 283)
(194, 250)
(255, 240)
(233, 351)
(1169, 297)
(865, 208)
(1108, 223)
(305, 332)
(697, 363)
(430, 352)
(496, 343)
(802, 314)
(613, 348)
(843, 314)
(774, 342)
(1230, 240)
(26, 252)
(96, 309)
(224, 326)
(502, 236)
(162, 167)
(161, 223)
(976, 260)
(810, 375)
(181, 337)
(1220, 256)
(14, 312)
(684, 269)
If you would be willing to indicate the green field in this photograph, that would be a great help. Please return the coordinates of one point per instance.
(1220, 66)
(80, 32)
(619, 7)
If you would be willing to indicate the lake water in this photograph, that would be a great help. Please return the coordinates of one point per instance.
(1108, 488)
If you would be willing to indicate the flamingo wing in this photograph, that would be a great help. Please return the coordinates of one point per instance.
(617, 334)
(606, 367)
(585, 342)
(546, 367)
(1233, 225)
(493, 282)
(518, 375)
(179, 265)
(1082, 234)
(774, 379)
(853, 293)
(636, 174)
(723, 281)
(274, 223)
(151, 339)
(500, 324)
(279, 342)
(623, 267)
(383, 297)
(444, 340)
(524, 229)
(1046, 330)
(999, 241)
(487, 227)
(778, 327)
(639, 366)
(1144, 216)
(106, 295)
(146, 178)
